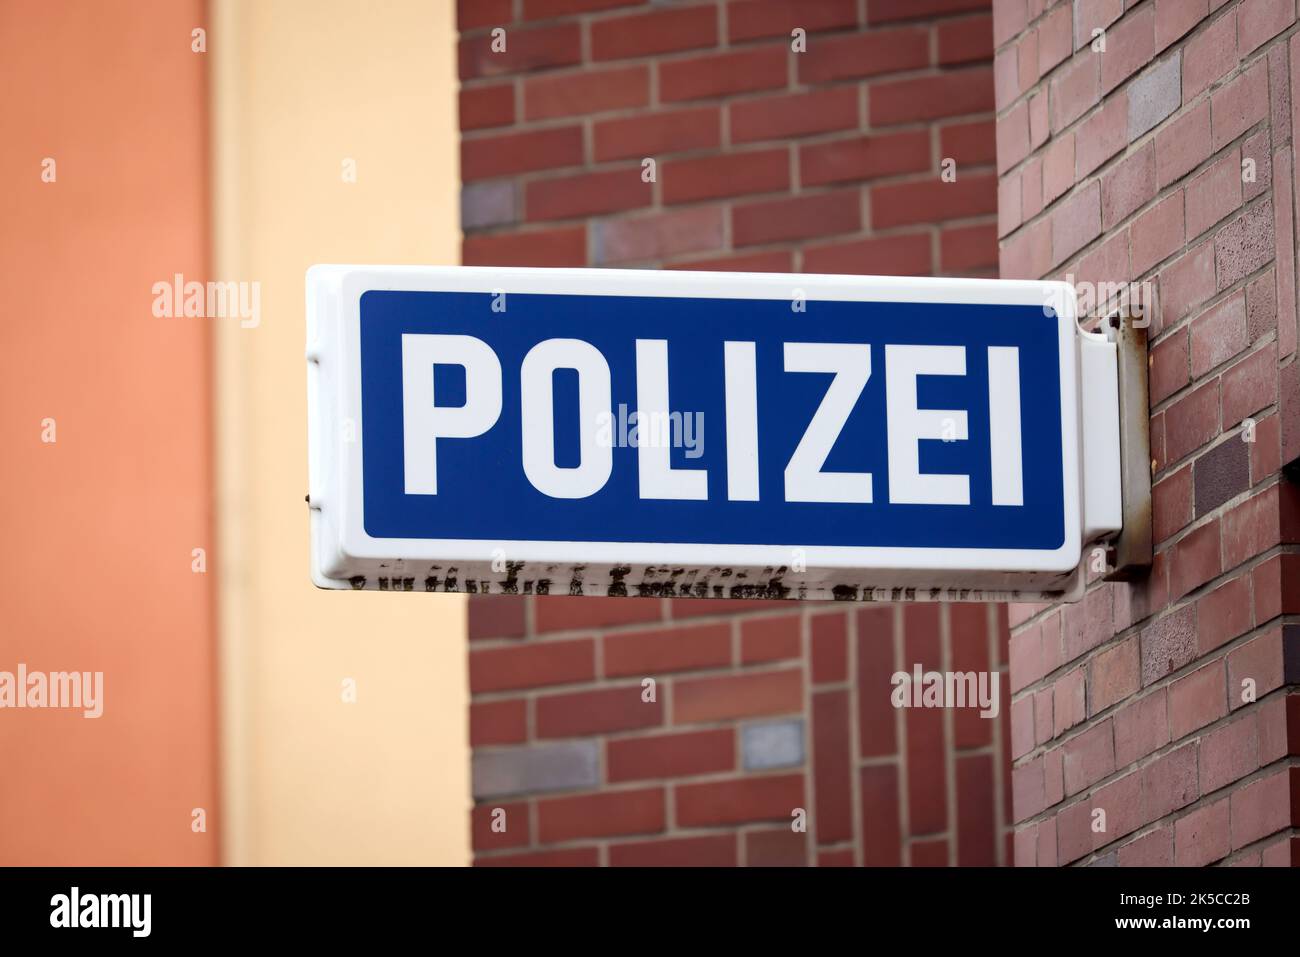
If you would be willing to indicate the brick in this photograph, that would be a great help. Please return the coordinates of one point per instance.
(927, 772)
(1113, 675)
(1128, 186)
(1122, 803)
(1194, 560)
(769, 639)
(1069, 696)
(1250, 385)
(657, 236)
(1197, 700)
(562, 857)
(512, 829)
(875, 665)
(735, 174)
(1040, 123)
(1223, 614)
(1229, 753)
(1210, 54)
(497, 722)
(1261, 306)
(772, 744)
(496, 616)
(965, 41)
(1171, 500)
(1028, 254)
(1214, 194)
(1054, 777)
(1055, 38)
(1074, 832)
(713, 850)
(899, 255)
(1092, 15)
(1239, 105)
(1102, 135)
(1191, 422)
(1168, 643)
(1283, 231)
(537, 247)
(1219, 334)
(715, 803)
(1155, 95)
(486, 106)
(649, 34)
(531, 665)
(1186, 283)
(932, 200)
(544, 767)
(1130, 46)
(833, 766)
(799, 114)
(1076, 222)
(1250, 528)
(596, 712)
(969, 143)
(1175, 17)
(586, 194)
(723, 74)
(929, 853)
(1006, 81)
(781, 847)
(1266, 451)
(563, 613)
(737, 696)
(930, 97)
(881, 839)
(867, 157)
(1169, 366)
(758, 19)
(1258, 21)
(1153, 849)
(1264, 807)
(1074, 91)
(1156, 233)
(1088, 623)
(675, 131)
(1043, 716)
(640, 811)
(591, 91)
(671, 755)
(507, 154)
(774, 261)
(1221, 474)
(873, 53)
(1170, 781)
(799, 217)
(493, 203)
(472, 14)
(1201, 837)
(545, 9)
(1255, 150)
(657, 652)
(527, 49)
(1058, 168)
(1259, 661)
(1141, 727)
(1183, 145)
(888, 11)
(1089, 757)
(1022, 727)
(967, 249)
(829, 634)
(1013, 137)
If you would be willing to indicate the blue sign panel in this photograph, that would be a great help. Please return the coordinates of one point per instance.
(484, 492)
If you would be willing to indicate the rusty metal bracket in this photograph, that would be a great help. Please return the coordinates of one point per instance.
(1130, 553)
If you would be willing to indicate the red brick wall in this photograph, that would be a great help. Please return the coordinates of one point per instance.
(765, 159)
(1123, 165)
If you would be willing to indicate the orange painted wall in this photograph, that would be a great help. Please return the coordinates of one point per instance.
(96, 529)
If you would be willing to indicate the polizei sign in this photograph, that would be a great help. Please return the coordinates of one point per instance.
(616, 432)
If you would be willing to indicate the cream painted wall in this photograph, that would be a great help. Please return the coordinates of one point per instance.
(298, 87)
